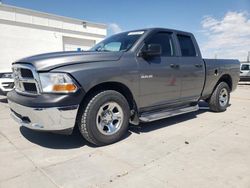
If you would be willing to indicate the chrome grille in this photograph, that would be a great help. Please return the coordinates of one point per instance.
(26, 79)
(26, 73)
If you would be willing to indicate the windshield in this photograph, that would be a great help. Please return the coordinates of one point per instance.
(119, 42)
(245, 67)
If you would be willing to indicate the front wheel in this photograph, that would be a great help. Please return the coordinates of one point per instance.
(105, 118)
(219, 100)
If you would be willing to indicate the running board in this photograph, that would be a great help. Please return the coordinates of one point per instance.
(148, 117)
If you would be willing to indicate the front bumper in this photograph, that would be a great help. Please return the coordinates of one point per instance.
(244, 78)
(53, 119)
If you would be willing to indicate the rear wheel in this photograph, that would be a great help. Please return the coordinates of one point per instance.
(219, 100)
(105, 118)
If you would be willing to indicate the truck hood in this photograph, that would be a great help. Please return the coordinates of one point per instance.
(49, 61)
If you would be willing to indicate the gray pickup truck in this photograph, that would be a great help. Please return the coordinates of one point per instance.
(131, 77)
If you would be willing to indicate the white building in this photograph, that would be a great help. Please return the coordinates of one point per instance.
(25, 32)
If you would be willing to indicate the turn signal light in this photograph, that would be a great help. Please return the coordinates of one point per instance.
(64, 88)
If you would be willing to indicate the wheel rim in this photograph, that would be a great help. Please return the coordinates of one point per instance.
(109, 118)
(223, 97)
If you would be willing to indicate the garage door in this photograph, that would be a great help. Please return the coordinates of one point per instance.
(77, 44)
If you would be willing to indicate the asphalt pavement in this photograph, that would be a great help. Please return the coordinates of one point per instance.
(199, 149)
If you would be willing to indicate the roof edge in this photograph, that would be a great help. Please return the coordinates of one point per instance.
(104, 26)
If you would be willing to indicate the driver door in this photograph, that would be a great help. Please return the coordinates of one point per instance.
(160, 81)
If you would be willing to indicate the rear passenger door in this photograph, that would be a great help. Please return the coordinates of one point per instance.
(192, 68)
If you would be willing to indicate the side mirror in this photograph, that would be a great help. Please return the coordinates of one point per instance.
(151, 50)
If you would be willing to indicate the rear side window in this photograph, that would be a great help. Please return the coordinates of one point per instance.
(245, 67)
(165, 40)
(186, 45)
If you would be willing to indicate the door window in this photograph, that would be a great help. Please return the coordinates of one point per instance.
(186, 45)
(164, 40)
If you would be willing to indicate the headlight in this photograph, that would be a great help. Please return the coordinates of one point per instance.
(57, 83)
(7, 75)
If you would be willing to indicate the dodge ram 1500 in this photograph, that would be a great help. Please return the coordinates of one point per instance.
(131, 77)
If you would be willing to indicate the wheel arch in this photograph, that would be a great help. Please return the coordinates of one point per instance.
(116, 86)
(225, 78)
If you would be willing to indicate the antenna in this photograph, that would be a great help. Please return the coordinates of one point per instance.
(248, 57)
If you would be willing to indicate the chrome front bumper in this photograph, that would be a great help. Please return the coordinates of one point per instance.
(44, 119)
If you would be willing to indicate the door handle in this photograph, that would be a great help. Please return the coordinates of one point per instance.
(174, 66)
(198, 65)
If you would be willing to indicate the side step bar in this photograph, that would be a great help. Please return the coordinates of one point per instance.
(148, 117)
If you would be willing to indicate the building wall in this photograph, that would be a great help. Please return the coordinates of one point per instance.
(24, 33)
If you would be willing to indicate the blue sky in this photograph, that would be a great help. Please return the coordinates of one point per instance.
(190, 15)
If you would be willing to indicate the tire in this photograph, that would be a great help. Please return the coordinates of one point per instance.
(105, 118)
(219, 100)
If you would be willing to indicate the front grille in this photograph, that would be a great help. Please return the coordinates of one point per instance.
(30, 87)
(25, 79)
(26, 73)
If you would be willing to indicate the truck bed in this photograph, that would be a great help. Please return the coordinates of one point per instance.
(215, 68)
